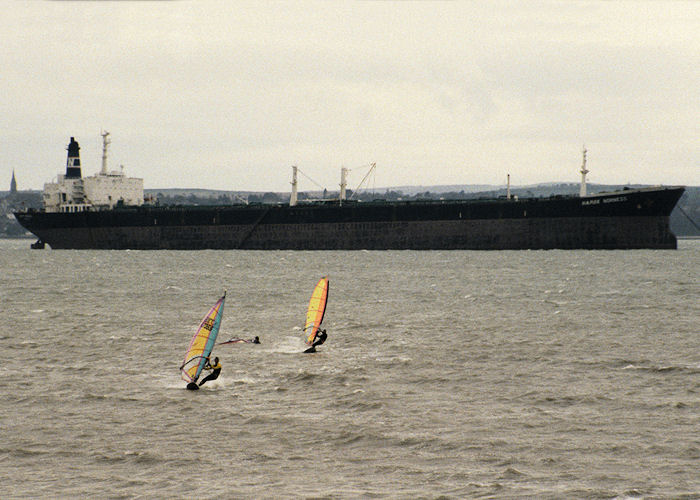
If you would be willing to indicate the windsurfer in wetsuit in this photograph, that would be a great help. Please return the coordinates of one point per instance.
(256, 340)
(320, 339)
(216, 369)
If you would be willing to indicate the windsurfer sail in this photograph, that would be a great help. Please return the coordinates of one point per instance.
(316, 310)
(202, 344)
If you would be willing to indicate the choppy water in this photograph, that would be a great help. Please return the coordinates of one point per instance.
(548, 374)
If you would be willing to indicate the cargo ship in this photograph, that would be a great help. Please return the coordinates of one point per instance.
(107, 211)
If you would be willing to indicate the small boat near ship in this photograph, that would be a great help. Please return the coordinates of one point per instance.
(107, 211)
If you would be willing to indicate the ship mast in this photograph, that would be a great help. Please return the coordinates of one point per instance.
(508, 187)
(105, 145)
(343, 183)
(293, 196)
(584, 171)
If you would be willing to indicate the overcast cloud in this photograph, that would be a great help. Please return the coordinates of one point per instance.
(228, 95)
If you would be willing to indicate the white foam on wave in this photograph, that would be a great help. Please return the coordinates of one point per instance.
(214, 385)
(557, 303)
(245, 380)
(289, 345)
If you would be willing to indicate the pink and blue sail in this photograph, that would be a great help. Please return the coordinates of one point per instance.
(202, 343)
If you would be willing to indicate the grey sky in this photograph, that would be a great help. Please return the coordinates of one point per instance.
(228, 95)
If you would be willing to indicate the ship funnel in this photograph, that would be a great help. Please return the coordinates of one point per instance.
(73, 161)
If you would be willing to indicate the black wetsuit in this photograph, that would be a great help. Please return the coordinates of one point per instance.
(213, 375)
(320, 339)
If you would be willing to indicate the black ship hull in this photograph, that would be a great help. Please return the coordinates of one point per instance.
(621, 220)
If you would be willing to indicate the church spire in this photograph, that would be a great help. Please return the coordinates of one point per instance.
(13, 183)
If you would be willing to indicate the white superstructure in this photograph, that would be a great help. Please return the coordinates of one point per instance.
(73, 193)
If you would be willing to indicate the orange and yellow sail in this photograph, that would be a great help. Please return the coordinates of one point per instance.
(203, 342)
(316, 310)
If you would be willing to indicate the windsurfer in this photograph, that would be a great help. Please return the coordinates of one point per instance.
(256, 340)
(216, 369)
(320, 339)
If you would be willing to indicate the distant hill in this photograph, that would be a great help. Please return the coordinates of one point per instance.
(9, 227)
(211, 193)
(470, 188)
(546, 189)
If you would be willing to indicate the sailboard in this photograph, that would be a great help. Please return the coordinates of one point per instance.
(316, 310)
(240, 341)
(202, 344)
(235, 341)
